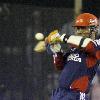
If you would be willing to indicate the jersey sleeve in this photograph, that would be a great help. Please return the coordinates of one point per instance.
(88, 45)
(97, 45)
(58, 60)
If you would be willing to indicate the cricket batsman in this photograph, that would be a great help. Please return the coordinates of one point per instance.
(79, 63)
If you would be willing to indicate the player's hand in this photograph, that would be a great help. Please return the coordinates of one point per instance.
(52, 48)
(55, 48)
(54, 37)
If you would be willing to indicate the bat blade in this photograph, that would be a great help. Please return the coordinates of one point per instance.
(40, 47)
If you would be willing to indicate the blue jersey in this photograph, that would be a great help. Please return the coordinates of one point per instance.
(78, 66)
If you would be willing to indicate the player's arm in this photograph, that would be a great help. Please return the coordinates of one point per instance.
(58, 60)
(86, 44)
(53, 47)
(56, 52)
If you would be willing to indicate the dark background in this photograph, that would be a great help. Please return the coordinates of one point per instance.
(88, 5)
(25, 74)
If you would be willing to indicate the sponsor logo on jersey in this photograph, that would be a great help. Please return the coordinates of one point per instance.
(74, 57)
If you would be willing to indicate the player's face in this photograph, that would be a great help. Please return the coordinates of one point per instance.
(82, 31)
(85, 32)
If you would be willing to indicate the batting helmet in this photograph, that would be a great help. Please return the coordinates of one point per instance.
(86, 19)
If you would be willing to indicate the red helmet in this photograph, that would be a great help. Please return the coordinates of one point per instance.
(86, 19)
